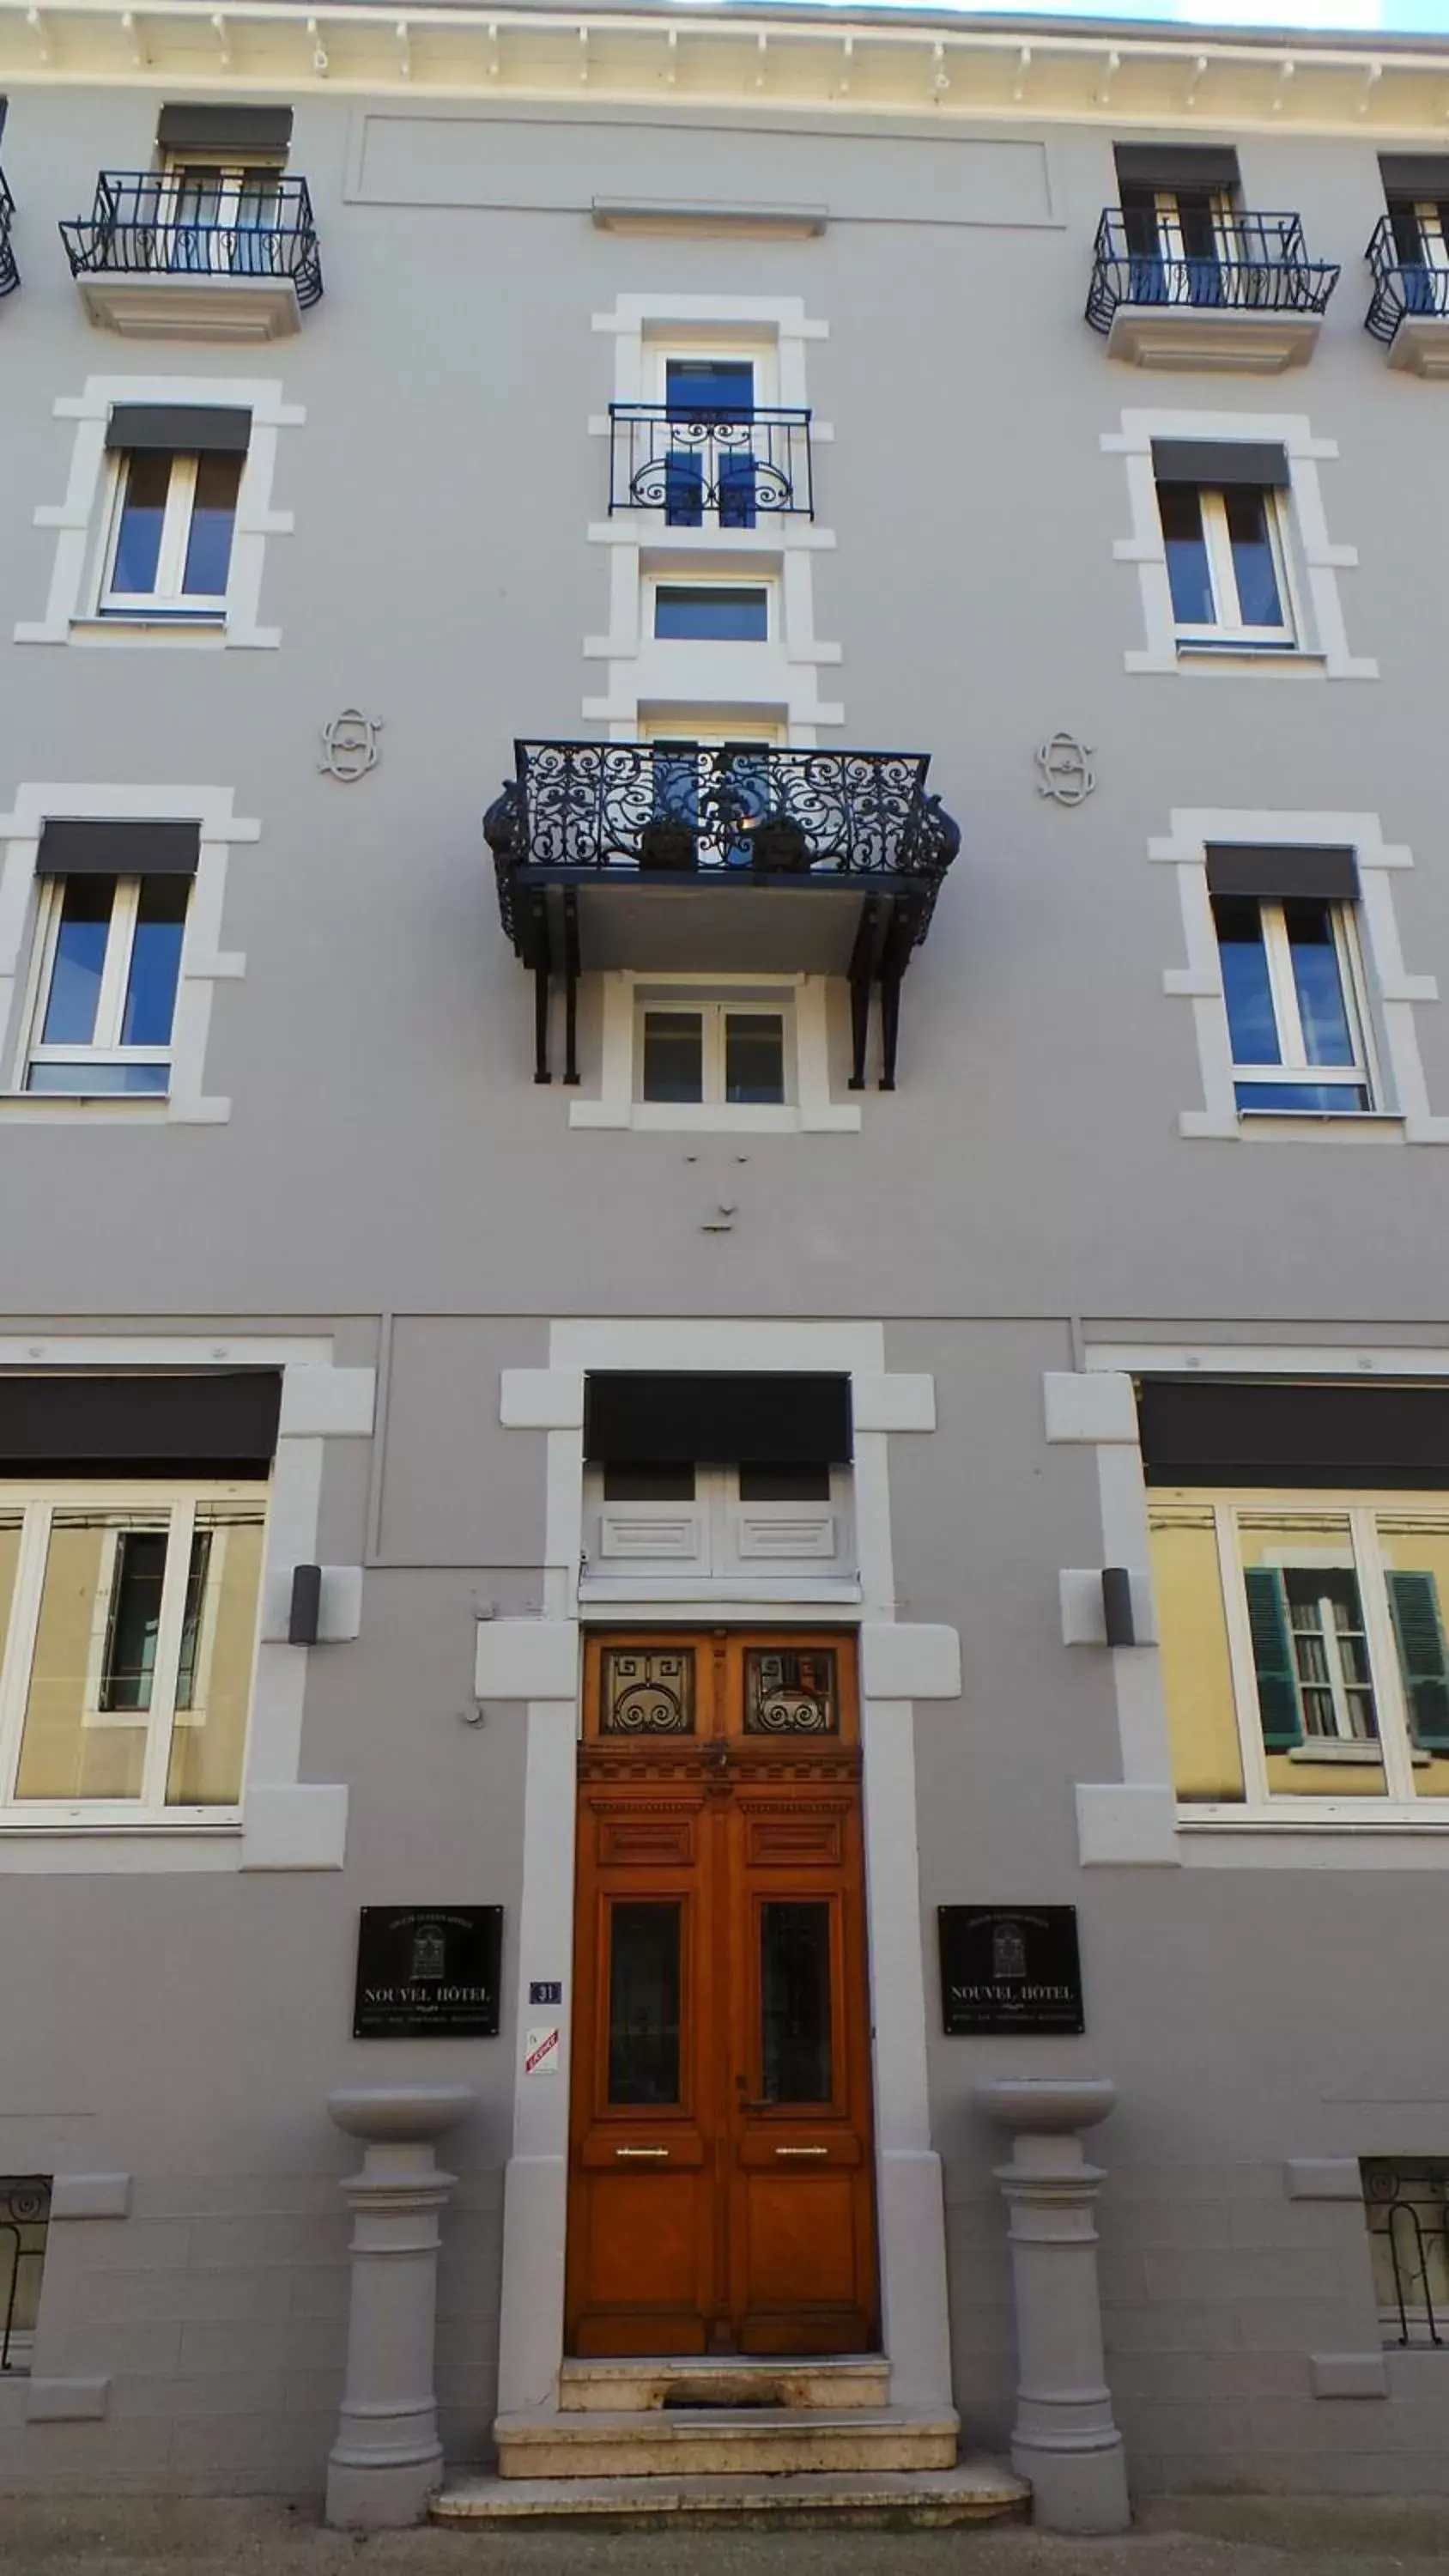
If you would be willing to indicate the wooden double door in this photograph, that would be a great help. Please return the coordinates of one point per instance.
(721, 2194)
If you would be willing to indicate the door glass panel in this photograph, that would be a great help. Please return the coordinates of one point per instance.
(644, 2004)
(795, 2036)
(790, 1692)
(646, 1693)
(90, 1680)
(218, 1647)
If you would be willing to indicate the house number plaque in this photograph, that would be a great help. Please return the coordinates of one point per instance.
(428, 1972)
(1010, 1968)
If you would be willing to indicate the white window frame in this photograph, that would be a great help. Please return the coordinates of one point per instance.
(802, 1000)
(684, 348)
(713, 1015)
(1173, 251)
(184, 169)
(39, 1504)
(105, 1046)
(715, 1546)
(1229, 627)
(684, 577)
(1296, 1067)
(1429, 224)
(170, 598)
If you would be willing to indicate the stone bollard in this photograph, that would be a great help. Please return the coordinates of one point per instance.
(387, 2460)
(1065, 2440)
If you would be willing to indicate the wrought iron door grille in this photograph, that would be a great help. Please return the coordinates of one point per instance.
(144, 224)
(24, 2221)
(9, 273)
(1408, 2223)
(1258, 264)
(1403, 289)
(734, 467)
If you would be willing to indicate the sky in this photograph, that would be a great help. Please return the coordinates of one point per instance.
(1320, 17)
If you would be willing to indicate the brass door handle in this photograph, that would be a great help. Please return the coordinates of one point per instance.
(802, 2151)
(661, 2151)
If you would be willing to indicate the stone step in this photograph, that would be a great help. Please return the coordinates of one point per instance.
(980, 2490)
(625, 2387)
(713, 2441)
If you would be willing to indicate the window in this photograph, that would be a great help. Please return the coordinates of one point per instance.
(714, 1051)
(675, 1530)
(110, 960)
(713, 402)
(128, 1622)
(169, 548)
(1179, 241)
(1303, 1646)
(24, 2226)
(1291, 980)
(711, 613)
(1225, 564)
(1407, 2205)
(215, 218)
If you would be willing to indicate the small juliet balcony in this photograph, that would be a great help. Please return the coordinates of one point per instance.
(162, 259)
(729, 469)
(1409, 309)
(1249, 299)
(9, 273)
(737, 858)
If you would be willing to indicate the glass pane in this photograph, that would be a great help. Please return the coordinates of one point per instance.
(73, 1746)
(92, 1080)
(218, 1645)
(646, 1692)
(705, 388)
(128, 1664)
(791, 1692)
(10, 1528)
(673, 1055)
(1317, 1645)
(712, 615)
(1207, 1759)
(80, 957)
(213, 515)
(1414, 1542)
(1322, 1004)
(754, 1056)
(155, 962)
(1246, 989)
(785, 1484)
(673, 1483)
(795, 2038)
(644, 2003)
(1187, 560)
(1253, 566)
(1334, 1098)
(138, 544)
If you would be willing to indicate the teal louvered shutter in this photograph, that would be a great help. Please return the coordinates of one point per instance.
(1414, 1601)
(1278, 1708)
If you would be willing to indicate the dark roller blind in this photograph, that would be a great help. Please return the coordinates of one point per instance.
(120, 849)
(217, 1422)
(1242, 867)
(192, 128)
(1235, 1431)
(179, 428)
(635, 1417)
(1219, 461)
(1415, 174)
(1176, 165)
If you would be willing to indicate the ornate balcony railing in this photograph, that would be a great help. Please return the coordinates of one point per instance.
(1408, 2222)
(580, 821)
(9, 273)
(1258, 264)
(1402, 289)
(143, 224)
(24, 2219)
(731, 466)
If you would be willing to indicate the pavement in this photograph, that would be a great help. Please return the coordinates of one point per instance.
(1240, 2536)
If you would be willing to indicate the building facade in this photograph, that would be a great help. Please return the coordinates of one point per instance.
(719, 1373)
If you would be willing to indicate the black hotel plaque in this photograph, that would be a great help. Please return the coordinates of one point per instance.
(1010, 1968)
(428, 1972)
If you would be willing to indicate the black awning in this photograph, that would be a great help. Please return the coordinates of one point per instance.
(635, 1418)
(192, 127)
(1220, 461)
(1239, 1431)
(215, 1422)
(129, 848)
(1274, 873)
(181, 429)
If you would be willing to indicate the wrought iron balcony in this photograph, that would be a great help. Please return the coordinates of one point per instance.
(1248, 295)
(1409, 309)
(733, 467)
(244, 257)
(9, 273)
(806, 861)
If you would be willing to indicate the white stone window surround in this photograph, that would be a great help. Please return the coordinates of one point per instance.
(783, 676)
(804, 1001)
(204, 962)
(82, 519)
(1321, 649)
(1136, 1821)
(538, 1661)
(1391, 995)
(286, 1823)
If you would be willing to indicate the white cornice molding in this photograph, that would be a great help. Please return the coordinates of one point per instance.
(943, 69)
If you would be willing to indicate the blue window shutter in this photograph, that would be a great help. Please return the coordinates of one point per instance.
(736, 489)
(1278, 1708)
(1414, 1601)
(683, 489)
